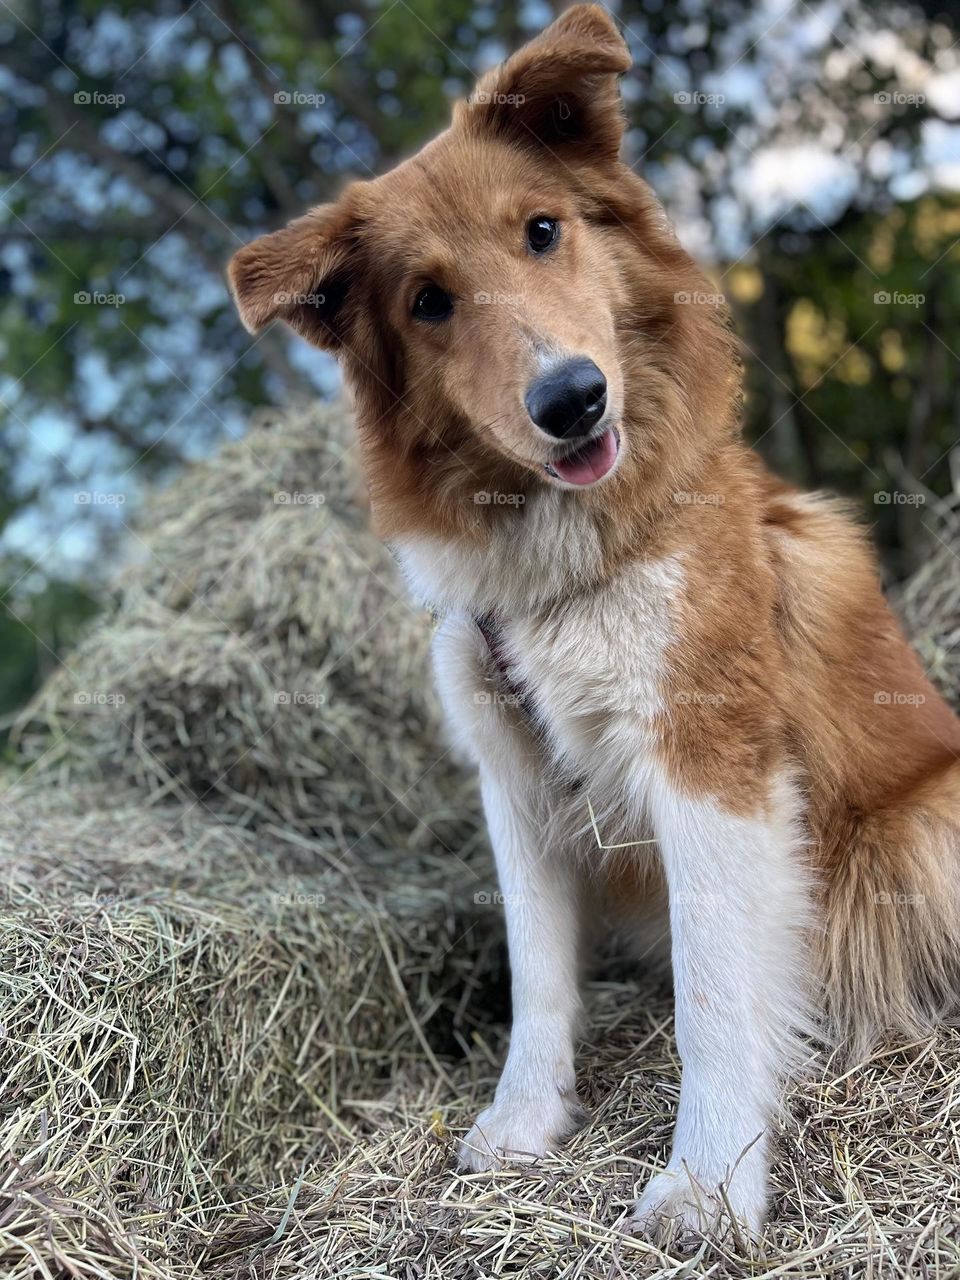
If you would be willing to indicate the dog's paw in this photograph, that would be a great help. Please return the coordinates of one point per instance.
(519, 1132)
(677, 1200)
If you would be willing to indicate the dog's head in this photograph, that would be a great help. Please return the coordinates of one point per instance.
(510, 306)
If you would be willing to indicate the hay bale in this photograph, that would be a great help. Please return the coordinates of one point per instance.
(865, 1181)
(190, 1012)
(264, 659)
(929, 603)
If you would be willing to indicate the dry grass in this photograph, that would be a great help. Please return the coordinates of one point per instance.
(264, 658)
(190, 1010)
(249, 996)
(867, 1177)
(930, 602)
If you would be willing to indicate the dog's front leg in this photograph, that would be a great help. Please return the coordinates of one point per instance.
(535, 1104)
(738, 900)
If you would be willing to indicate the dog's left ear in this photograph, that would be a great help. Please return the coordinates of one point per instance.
(301, 274)
(560, 90)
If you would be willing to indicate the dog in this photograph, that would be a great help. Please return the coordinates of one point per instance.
(693, 714)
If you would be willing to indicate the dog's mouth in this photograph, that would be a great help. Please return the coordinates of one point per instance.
(589, 462)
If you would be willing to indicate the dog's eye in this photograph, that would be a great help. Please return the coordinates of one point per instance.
(432, 303)
(542, 233)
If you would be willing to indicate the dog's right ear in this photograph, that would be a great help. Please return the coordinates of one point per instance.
(559, 91)
(300, 274)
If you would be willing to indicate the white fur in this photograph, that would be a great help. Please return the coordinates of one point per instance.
(535, 1104)
(591, 668)
(738, 893)
(561, 552)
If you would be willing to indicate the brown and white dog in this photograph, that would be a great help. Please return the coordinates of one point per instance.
(639, 623)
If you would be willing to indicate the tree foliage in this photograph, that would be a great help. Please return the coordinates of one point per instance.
(807, 151)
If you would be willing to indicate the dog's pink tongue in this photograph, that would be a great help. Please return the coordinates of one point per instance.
(590, 463)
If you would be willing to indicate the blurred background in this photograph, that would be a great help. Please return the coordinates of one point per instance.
(807, 150)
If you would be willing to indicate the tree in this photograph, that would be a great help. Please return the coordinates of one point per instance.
(142, 143)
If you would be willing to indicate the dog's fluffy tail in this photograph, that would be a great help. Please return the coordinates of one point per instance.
(890, 948)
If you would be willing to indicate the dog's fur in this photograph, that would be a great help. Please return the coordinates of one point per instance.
(690, 648)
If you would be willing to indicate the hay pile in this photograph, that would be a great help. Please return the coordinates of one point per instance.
(264, 658)
(251, 986)
(191, 1011)
(930, 601)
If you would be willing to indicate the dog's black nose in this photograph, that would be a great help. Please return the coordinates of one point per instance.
(569, 400)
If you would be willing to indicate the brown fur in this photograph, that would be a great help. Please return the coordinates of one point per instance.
(789, 655)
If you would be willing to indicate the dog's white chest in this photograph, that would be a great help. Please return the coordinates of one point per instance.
(589, 673)
(593, 672)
